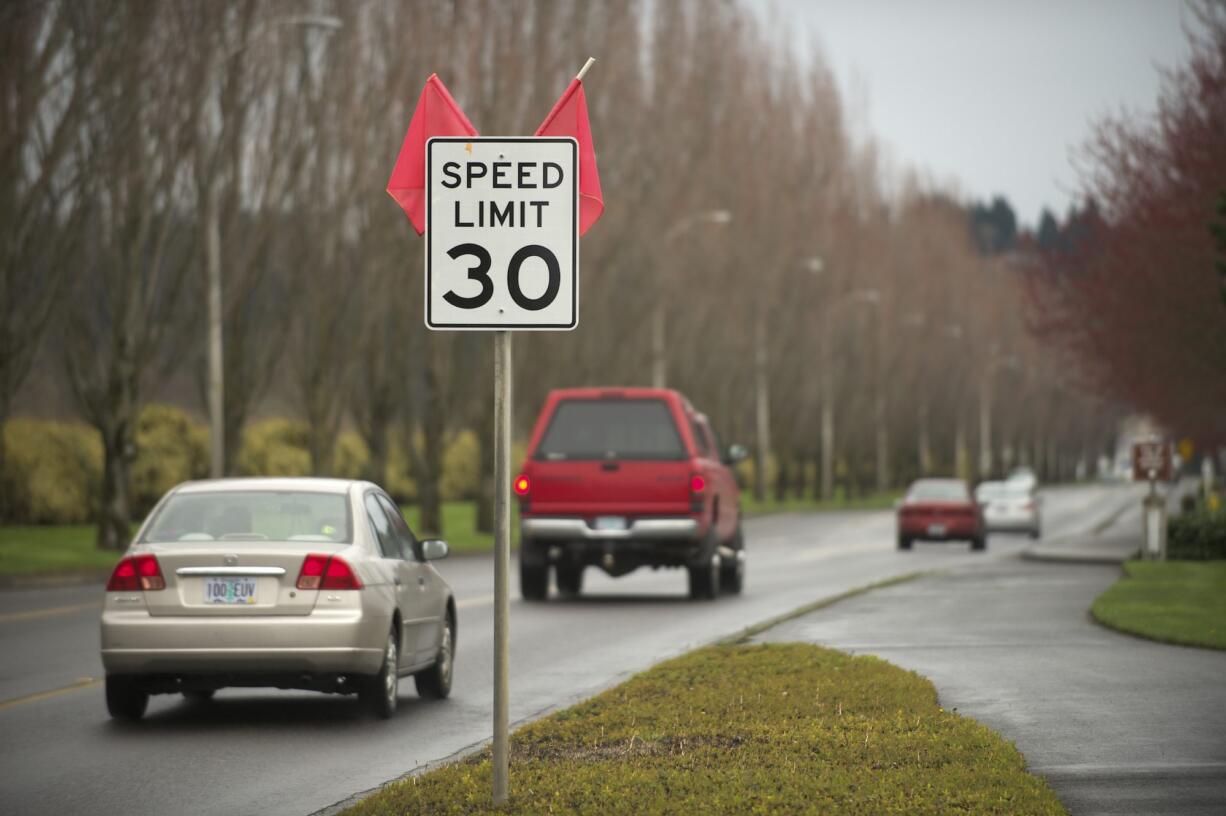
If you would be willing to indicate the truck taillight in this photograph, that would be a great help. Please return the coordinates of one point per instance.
(522, 485)
(697, 483)
(327, 572)
(136, 572)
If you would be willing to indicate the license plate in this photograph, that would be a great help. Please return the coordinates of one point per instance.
(229, 591)
(610, 522)
(936, 529)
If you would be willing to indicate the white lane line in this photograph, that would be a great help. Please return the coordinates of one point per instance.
(49, 612)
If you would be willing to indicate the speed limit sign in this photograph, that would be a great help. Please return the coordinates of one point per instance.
(502, 233)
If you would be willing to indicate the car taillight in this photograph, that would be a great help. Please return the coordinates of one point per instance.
(136, 572)
(326, 572)
(522, 485)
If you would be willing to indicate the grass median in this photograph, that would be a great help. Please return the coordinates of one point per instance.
(1180, 602)
(777, 728)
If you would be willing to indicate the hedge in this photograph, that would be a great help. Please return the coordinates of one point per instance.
(1197, 536)
(53, 469)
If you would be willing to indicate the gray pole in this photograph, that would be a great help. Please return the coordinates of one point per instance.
(761, 403)
(827, 414)
(985, 426)
(217, 417)
(502, 557)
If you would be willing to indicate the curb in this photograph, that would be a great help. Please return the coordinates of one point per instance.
(53, 580)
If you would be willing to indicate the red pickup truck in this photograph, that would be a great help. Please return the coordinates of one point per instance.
(622, 478)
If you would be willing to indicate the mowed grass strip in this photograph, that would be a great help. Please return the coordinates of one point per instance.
(777, 728)
(52, 549)
(1180, 602)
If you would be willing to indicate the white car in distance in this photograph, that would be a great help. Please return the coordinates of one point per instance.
(1011, 506)
(288, 583)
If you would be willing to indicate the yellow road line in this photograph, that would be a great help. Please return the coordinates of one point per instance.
(50, 612)
(82, 683)
(467, 602)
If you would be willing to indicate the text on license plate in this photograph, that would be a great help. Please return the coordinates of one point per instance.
(610, 522)
(936, 529)
(229, 590)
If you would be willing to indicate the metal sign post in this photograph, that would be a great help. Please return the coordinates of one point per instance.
(502, 559)
(1152, 461)
(502, 254)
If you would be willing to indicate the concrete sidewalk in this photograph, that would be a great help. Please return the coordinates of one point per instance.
(1114, 537)
(1115, 724)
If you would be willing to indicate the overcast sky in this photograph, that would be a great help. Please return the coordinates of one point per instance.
(991, 95)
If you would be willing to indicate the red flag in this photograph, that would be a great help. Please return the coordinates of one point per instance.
(437, 114)
(569, 118)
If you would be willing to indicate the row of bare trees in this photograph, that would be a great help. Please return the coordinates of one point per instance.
(749, 254)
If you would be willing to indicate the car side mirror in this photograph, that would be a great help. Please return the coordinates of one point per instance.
(433, 549)
(736, 453)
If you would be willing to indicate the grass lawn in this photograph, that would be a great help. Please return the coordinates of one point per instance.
(70, 548)
(874, 501)
(49, 549)
(1171, 601)
(779, 728)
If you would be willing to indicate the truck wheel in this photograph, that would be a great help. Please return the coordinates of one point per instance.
(124, 699)
(570, 579)
(732, 574)
(904, 543)
(979, 544)
(533, 572)
(704, 579)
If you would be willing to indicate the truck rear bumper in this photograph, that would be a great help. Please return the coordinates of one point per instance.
(578, 529)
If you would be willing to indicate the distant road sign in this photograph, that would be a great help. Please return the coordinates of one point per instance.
(1151, 461)
(502, 233)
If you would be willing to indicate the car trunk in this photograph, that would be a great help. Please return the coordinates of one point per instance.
(248, 578)
(593, 488)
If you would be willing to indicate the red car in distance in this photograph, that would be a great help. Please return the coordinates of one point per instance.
(622, 478)
(940, 510)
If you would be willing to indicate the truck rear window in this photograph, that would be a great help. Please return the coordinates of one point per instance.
(611, 429)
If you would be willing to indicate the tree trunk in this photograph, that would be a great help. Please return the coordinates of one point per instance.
(377, 449)
(783, 478)
(485, 472)
(5, 501)
(115, 514)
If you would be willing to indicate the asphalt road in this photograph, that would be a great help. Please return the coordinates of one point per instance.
(272, 752)
(1117, 725)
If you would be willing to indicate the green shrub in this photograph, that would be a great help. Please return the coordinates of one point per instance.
(170, 449)
(1197, 536)
(275, 447)
(461, 467)
(53, 471)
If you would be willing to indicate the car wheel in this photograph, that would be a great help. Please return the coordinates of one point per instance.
(435, 682)
(570, 579)
(1035, 533)
(124, 699)
(533, 572)
(380, 692)
(904, 543)
(200, 695)
(979, 544)
(704, 579)
(732, 575)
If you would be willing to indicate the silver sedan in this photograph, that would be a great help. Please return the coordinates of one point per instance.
(288, 583)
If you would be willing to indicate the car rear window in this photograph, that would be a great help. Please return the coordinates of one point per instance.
(611, 429)
(252, 515)
(939, 491)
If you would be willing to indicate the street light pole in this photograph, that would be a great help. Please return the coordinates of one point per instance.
(659, 354)
(867, 296)
(211, 218)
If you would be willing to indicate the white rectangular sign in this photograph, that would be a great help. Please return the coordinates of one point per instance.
(502, 233)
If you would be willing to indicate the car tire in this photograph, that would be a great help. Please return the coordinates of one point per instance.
(380, 692)
(570, 579)
(979, 544)
(199, 695)
(435, 682)
(533, 571)
(704, 579)
(904, 543)
(732, 575)
(1036, 533)
(125, 700)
